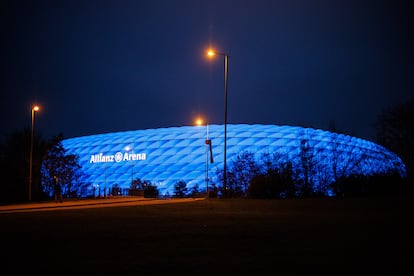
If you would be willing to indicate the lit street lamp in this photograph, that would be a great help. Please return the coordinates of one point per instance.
(212, 53)
(34, 109)
(199, 122)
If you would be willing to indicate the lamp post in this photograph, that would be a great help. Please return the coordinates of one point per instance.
(104, 164)
(128, 148)
(199, 122)
(212, 53)
(34, 109)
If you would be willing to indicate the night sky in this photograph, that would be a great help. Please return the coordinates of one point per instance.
(105, 66)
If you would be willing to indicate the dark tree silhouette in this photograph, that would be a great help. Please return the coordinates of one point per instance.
(14, 164)
(151, 190)
(244, 168)
(143, 187)
(180, 189)
(395, 131)
(307, 167)
(195, 191)
(60, 171)
(137, 187)
(277, 182)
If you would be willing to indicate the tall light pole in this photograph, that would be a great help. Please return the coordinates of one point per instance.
(128, 148)
(212, 53)
(34, 109)
(199, 122)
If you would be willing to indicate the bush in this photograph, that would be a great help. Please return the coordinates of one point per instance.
(151, 191)
(180, 189)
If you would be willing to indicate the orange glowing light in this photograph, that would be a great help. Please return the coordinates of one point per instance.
(211, 53)
(199, 122)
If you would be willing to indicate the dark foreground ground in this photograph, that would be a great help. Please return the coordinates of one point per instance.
(351, 236)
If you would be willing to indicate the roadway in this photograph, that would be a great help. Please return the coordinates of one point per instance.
(89, 203)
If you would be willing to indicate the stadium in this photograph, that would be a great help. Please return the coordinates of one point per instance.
(195, 154)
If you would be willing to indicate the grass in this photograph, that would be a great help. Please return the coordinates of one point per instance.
(214, 236)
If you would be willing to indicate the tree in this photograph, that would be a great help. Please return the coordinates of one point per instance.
(277, 182)
(241, 172)
(395, 131)
(307, 167)
(137, 187)
(151, 190)
(346, 159)
(143, 187)
(195, 191)
(14, 165)
(180, 189)
(60, 171)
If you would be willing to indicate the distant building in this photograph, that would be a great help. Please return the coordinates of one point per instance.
(165, 156)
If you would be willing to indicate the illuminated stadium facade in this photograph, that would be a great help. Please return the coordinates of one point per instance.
(165, 156)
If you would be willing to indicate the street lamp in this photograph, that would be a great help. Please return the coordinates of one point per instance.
(199, 122)
(34, 109)
(127, 149)
(211, 53)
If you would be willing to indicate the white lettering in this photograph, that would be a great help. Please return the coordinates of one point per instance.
(118, 157)
(100, 158)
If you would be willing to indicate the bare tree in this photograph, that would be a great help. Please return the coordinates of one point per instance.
(347, 159)
(244, 168)
(395, 131)
(307, 167)
(60, 170)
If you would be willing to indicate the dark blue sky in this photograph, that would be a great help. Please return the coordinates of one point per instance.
(105, 66)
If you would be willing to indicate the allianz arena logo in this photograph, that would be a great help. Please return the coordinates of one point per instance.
(117, 157)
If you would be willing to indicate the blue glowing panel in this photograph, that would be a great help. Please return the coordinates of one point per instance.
(165, 156)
